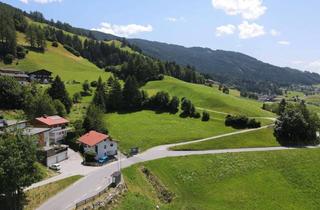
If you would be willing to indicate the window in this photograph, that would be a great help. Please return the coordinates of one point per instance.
(111, 145)
(105, 146)
(97, 149)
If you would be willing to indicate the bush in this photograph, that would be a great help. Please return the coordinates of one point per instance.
(160, 77)
(21, 55)
(90, 156)
(196, 115)
(8, 59)
(21, 52)
(94, 84)
(241, 122)
(252, 123)
(77, 98)
(55, 44)
(72, 50)
(205, 116)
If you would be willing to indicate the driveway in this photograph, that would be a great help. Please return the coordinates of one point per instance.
(70, 167)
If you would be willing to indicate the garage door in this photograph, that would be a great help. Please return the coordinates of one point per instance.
(57, 158)
(62, 156)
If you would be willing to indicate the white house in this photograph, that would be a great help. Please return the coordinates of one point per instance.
(100, 143)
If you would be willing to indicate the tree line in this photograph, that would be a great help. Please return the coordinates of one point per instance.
(34, 102)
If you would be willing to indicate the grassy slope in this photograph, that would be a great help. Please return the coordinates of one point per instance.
(146, 129)
(260, 138)
(67, 66)
(209, 98)
(35, 197)
(264, 180)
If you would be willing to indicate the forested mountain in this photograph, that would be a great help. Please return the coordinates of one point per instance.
(81, 42)
(244, 72)
(225, 65)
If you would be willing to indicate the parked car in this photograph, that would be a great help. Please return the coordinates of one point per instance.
(103, 160)
(55, 167)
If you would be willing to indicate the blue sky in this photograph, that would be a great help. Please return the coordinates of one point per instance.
(281, 32)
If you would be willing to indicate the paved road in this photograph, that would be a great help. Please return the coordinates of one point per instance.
(99, 179)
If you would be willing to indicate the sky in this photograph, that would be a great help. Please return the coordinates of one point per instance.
(281, 32)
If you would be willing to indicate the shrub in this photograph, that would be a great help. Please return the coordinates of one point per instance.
(160, 77)
(94, 84)
(21, 52)
(252, 123)
(8, 59)
(205, 116)
(77, 98)
(55, 44)
(241, 122)
(21, 55)
(72, 50)
(90, 156)
(197, 115)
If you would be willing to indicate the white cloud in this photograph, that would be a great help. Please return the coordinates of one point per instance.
(284, 42)
(225, 30)
(248, 9)
(274, 32)
(314, 66)
(40, 1)
(297, 62)
(123, 30)
(175, 19)
(247, 30)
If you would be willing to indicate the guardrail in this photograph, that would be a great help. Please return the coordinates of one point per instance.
(92, 198)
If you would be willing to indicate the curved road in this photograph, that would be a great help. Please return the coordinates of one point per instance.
(97, 180)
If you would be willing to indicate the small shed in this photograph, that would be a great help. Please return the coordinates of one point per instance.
(116, 179)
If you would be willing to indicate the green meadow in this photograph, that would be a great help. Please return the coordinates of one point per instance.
(208, 97)
(146, 129)
(258, 138)
(256, 180)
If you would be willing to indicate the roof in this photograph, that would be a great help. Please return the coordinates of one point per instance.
(92, 138)
(8, 123)
(41, 71)
(52, 120)
(13, 73)
(34, 131)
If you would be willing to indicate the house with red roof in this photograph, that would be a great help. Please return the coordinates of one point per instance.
(58, 127)
(99, 143)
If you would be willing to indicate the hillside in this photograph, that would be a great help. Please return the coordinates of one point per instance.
(146, 129)
(225, 64)
(208, 98)
(263, 180)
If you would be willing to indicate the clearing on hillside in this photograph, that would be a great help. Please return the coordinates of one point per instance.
(208, 97)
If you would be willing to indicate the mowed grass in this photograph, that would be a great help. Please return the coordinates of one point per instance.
(37, 196)
(146, 129)
(208, 97)
(257, 180)
(258, 138)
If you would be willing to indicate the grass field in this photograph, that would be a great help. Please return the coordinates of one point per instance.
(60, 62)
(259, 138)
(264, 180)
(209, 98)
(35, 197)
(146, 129)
